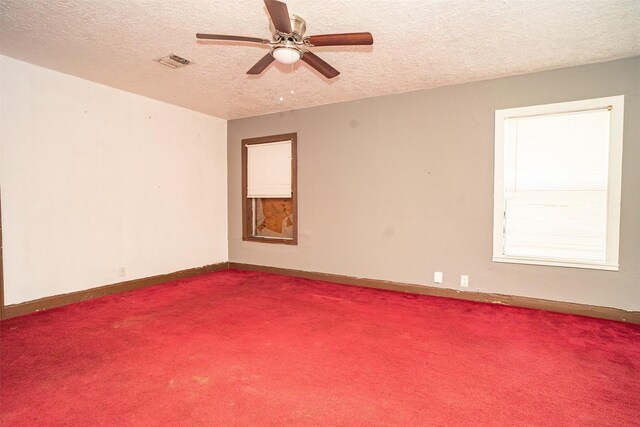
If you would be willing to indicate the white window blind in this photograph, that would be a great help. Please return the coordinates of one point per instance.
(269, 170)
(554, 185)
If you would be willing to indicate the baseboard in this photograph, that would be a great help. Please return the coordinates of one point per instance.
(516, 301)
(14, 310)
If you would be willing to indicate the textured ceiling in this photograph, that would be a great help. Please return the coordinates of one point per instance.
(417, 45)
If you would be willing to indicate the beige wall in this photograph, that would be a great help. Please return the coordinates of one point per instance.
(400, 186)
(95, 180)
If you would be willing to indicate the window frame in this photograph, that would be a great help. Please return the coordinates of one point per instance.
(614, 189)
(247, 208)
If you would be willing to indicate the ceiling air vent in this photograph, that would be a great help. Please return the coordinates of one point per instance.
(173, 61)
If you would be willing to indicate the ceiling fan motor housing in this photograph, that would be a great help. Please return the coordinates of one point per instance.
(298, 27)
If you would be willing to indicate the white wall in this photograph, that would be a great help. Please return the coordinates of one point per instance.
(95, 179)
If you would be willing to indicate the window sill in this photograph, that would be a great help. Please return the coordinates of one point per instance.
(292, 241)
(535, 261)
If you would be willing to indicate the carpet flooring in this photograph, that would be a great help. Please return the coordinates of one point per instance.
(238, 348)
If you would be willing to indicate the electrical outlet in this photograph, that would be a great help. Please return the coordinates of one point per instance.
(464, 281)
(122, 271)
(437, 277)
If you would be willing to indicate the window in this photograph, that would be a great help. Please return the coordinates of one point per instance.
(269, 199)
(558, 171)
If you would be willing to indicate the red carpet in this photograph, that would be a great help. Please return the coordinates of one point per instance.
(238, 348)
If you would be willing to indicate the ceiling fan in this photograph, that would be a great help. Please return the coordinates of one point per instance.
(288, 44)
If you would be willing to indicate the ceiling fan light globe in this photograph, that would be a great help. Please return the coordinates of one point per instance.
(286, 55)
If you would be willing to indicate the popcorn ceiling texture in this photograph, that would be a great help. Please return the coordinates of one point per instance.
(417, 45)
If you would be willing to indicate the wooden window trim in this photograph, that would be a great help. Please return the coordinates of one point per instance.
(246, 202)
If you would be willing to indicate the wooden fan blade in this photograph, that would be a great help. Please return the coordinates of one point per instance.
(262, 64)
(341, 39)
(279, 15)
(232, 38)
(323, 68)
